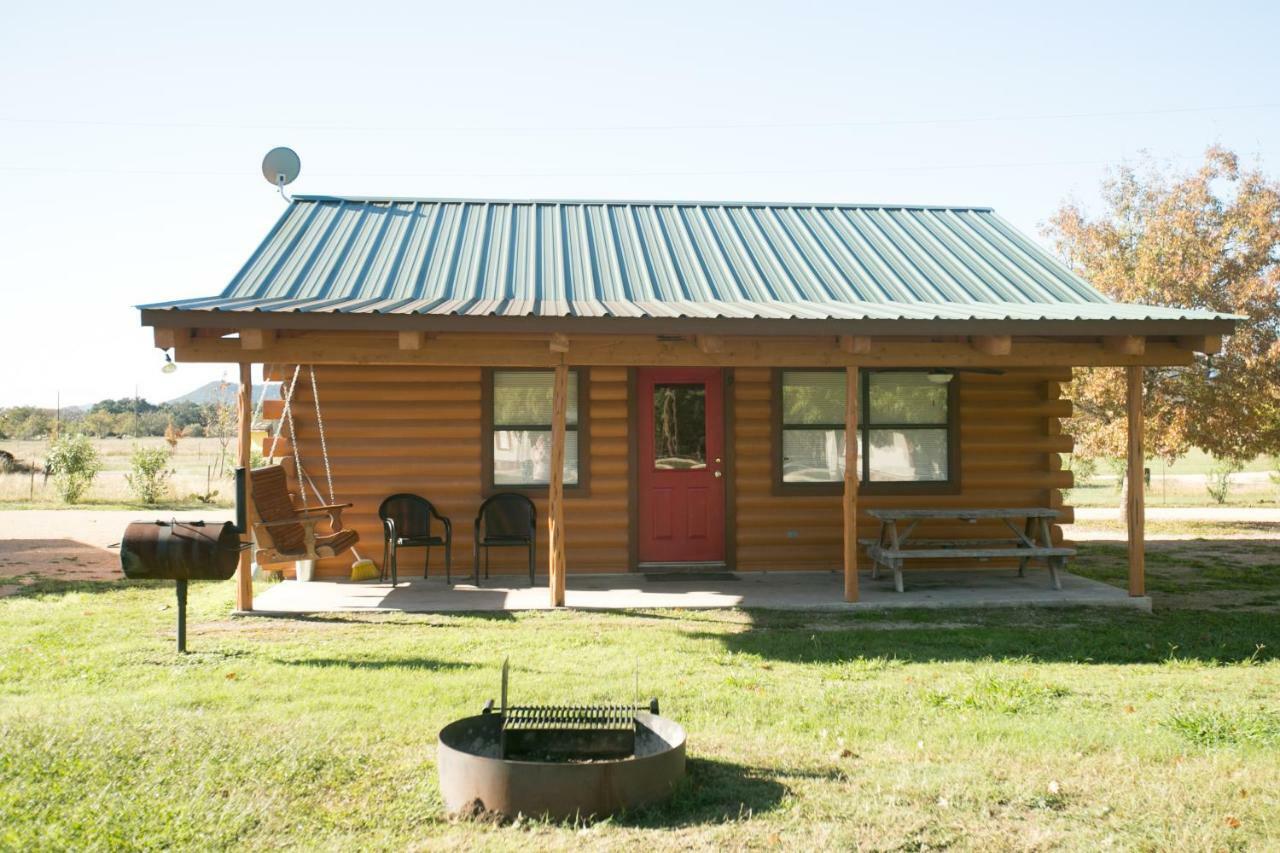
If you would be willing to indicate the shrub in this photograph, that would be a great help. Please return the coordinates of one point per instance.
(1218, 481)
(73, 463)
(256, 460)
(171, 435)
(149, 473)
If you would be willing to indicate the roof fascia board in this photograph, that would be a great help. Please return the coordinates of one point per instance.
(336, 321)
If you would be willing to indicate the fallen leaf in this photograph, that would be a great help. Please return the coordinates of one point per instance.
(1128, 709)
(1232, 822)
(231, 676)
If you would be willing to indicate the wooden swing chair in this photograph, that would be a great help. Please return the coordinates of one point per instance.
(284, 531)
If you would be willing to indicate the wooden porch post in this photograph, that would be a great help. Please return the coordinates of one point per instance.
(555, 492)
(1135, 509)
(244, 576)
(851, 468)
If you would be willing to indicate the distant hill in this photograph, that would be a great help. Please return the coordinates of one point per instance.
(208, 393)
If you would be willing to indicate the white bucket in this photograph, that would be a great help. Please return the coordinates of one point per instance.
(304, 569)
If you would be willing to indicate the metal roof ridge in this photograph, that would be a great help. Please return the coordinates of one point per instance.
(386, 199)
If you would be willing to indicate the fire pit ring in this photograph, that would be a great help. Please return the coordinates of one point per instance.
(475, 779)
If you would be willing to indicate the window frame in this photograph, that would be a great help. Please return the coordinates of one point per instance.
(580, 489)
(949, 486)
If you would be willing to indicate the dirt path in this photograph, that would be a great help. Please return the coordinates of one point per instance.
(70, 544)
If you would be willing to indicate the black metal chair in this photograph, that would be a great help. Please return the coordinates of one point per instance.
(406, 523)
(505, 520)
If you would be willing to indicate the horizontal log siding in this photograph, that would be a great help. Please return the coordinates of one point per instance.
(1010, 436)
(417, 429)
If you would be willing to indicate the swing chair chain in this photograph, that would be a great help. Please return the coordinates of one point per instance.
(286, 392)
(293, 440)
(324, 447)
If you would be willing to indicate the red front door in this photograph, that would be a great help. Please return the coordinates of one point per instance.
(681, 462)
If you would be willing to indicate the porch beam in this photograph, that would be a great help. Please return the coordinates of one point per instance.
(1125, 344)
(471, 350)
(855, 344)
(992, 344)
(850, 502)
(412, 340)
(555, 490)
(559, 343)
(167, 337)
(1135, 507)
(1207, 344)
(244, 436)
(709, 344)
(257, 339)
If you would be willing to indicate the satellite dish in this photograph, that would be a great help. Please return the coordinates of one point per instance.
(281, 166)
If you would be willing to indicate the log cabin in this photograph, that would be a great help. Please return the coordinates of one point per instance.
(674, 384)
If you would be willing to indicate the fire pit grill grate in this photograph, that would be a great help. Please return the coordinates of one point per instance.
(568, 732)
(542, 717)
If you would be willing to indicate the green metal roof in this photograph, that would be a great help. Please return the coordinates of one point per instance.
(715, 260)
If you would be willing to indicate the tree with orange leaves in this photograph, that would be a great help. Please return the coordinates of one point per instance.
(1205, 239)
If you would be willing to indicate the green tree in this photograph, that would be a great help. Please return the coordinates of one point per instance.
(149, 473)
(26, 422)
(73, 463)
(1208, 239)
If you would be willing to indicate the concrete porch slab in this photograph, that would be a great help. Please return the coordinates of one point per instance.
(766, 590)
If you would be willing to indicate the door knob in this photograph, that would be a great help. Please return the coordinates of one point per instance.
(718, 474)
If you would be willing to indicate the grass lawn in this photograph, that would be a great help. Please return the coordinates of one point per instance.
(1026, 729)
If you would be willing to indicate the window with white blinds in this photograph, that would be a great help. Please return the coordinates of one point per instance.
(522, 428)
(904, 427)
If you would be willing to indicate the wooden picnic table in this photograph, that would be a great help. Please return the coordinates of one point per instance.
(1033, 541)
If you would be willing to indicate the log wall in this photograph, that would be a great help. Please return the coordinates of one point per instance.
(1010, 437)
(418, 429)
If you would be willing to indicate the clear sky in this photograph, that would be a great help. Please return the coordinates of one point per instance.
(131, 134)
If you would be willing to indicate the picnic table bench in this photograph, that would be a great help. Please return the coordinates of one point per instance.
(1032, 542)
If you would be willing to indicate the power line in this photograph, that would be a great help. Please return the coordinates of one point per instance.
(636, 128)
(620, 174)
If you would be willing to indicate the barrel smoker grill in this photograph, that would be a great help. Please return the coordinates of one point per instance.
(184, 551)
(559, 761)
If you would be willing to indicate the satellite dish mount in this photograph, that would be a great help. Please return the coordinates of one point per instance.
(280, 167)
